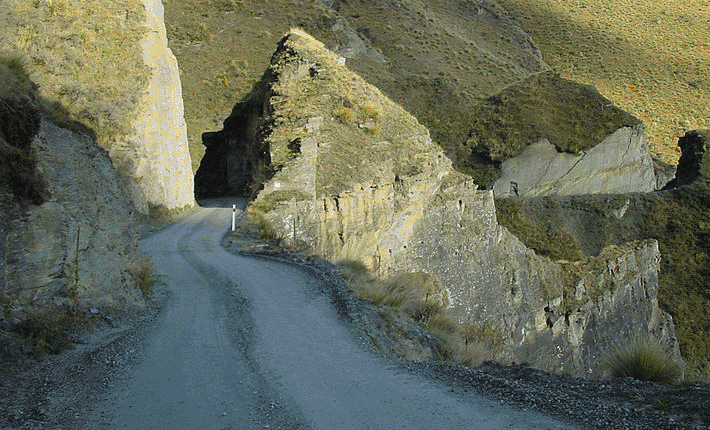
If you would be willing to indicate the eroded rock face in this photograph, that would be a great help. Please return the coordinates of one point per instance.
(88, 220)
(558, 316)
(354, 177)
(157, 155)
(621, 163)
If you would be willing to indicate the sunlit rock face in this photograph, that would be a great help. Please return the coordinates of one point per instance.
(157, 154)
(351, 176)
(621, 163)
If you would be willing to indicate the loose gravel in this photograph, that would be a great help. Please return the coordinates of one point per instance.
(51, 392)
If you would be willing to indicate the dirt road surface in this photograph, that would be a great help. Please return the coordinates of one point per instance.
(246, 343)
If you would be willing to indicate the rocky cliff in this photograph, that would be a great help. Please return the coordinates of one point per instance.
(349, 175)
(620, 163)
(108, 69)
(80, 244)
(70, 237)
(156, 154)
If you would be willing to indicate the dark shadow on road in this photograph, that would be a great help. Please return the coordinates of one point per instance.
(224, 202)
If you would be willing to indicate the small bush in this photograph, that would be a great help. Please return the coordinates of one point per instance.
(645, 360)
(353, 269)
(144, 275)
(49, 331)
(484, 335)
(344, 115)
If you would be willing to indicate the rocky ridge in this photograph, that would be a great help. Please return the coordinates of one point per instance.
(621, 163)
(156, 154)
(348, 175)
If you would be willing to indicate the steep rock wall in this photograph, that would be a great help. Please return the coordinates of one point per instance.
(558, 316)
(621, 163)
(354, 177)
(157, 154)
(87, 204)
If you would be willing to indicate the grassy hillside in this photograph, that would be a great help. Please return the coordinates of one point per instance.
(84, 55)
(651, 58)
(442, 56)
(571, 116)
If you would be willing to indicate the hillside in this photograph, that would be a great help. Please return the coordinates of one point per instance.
(343, 173)
(427, 56)
(244, 34)
(651, 58)
(439, 65)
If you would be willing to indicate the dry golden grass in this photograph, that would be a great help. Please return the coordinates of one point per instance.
(651, 58)
(84, 55)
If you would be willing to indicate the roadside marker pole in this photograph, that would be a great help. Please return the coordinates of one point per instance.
(234, 215)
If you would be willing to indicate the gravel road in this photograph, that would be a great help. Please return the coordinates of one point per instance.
(251, 343)
(235, 342)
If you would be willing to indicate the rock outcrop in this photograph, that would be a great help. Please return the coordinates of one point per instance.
(157, 154)
(352, 176)
(692, 164)
(84, 236)
(621, 163)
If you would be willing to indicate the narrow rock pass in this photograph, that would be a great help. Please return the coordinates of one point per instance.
(246, 343)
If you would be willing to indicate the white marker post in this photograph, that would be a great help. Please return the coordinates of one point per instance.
(234, 215)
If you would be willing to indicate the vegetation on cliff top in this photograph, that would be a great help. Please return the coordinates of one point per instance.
(68, 46)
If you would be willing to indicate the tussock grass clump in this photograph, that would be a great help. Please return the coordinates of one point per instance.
(645, 360)
(49, 330)
(143, 273)
(419, 296)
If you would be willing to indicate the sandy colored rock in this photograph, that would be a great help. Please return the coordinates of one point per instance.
(157, 155)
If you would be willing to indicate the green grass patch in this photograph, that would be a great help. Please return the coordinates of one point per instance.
(549, 239)
(645, 360)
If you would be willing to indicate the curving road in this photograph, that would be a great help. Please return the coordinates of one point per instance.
(251, 344)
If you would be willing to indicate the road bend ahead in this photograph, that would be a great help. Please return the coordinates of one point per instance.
(251, 344)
